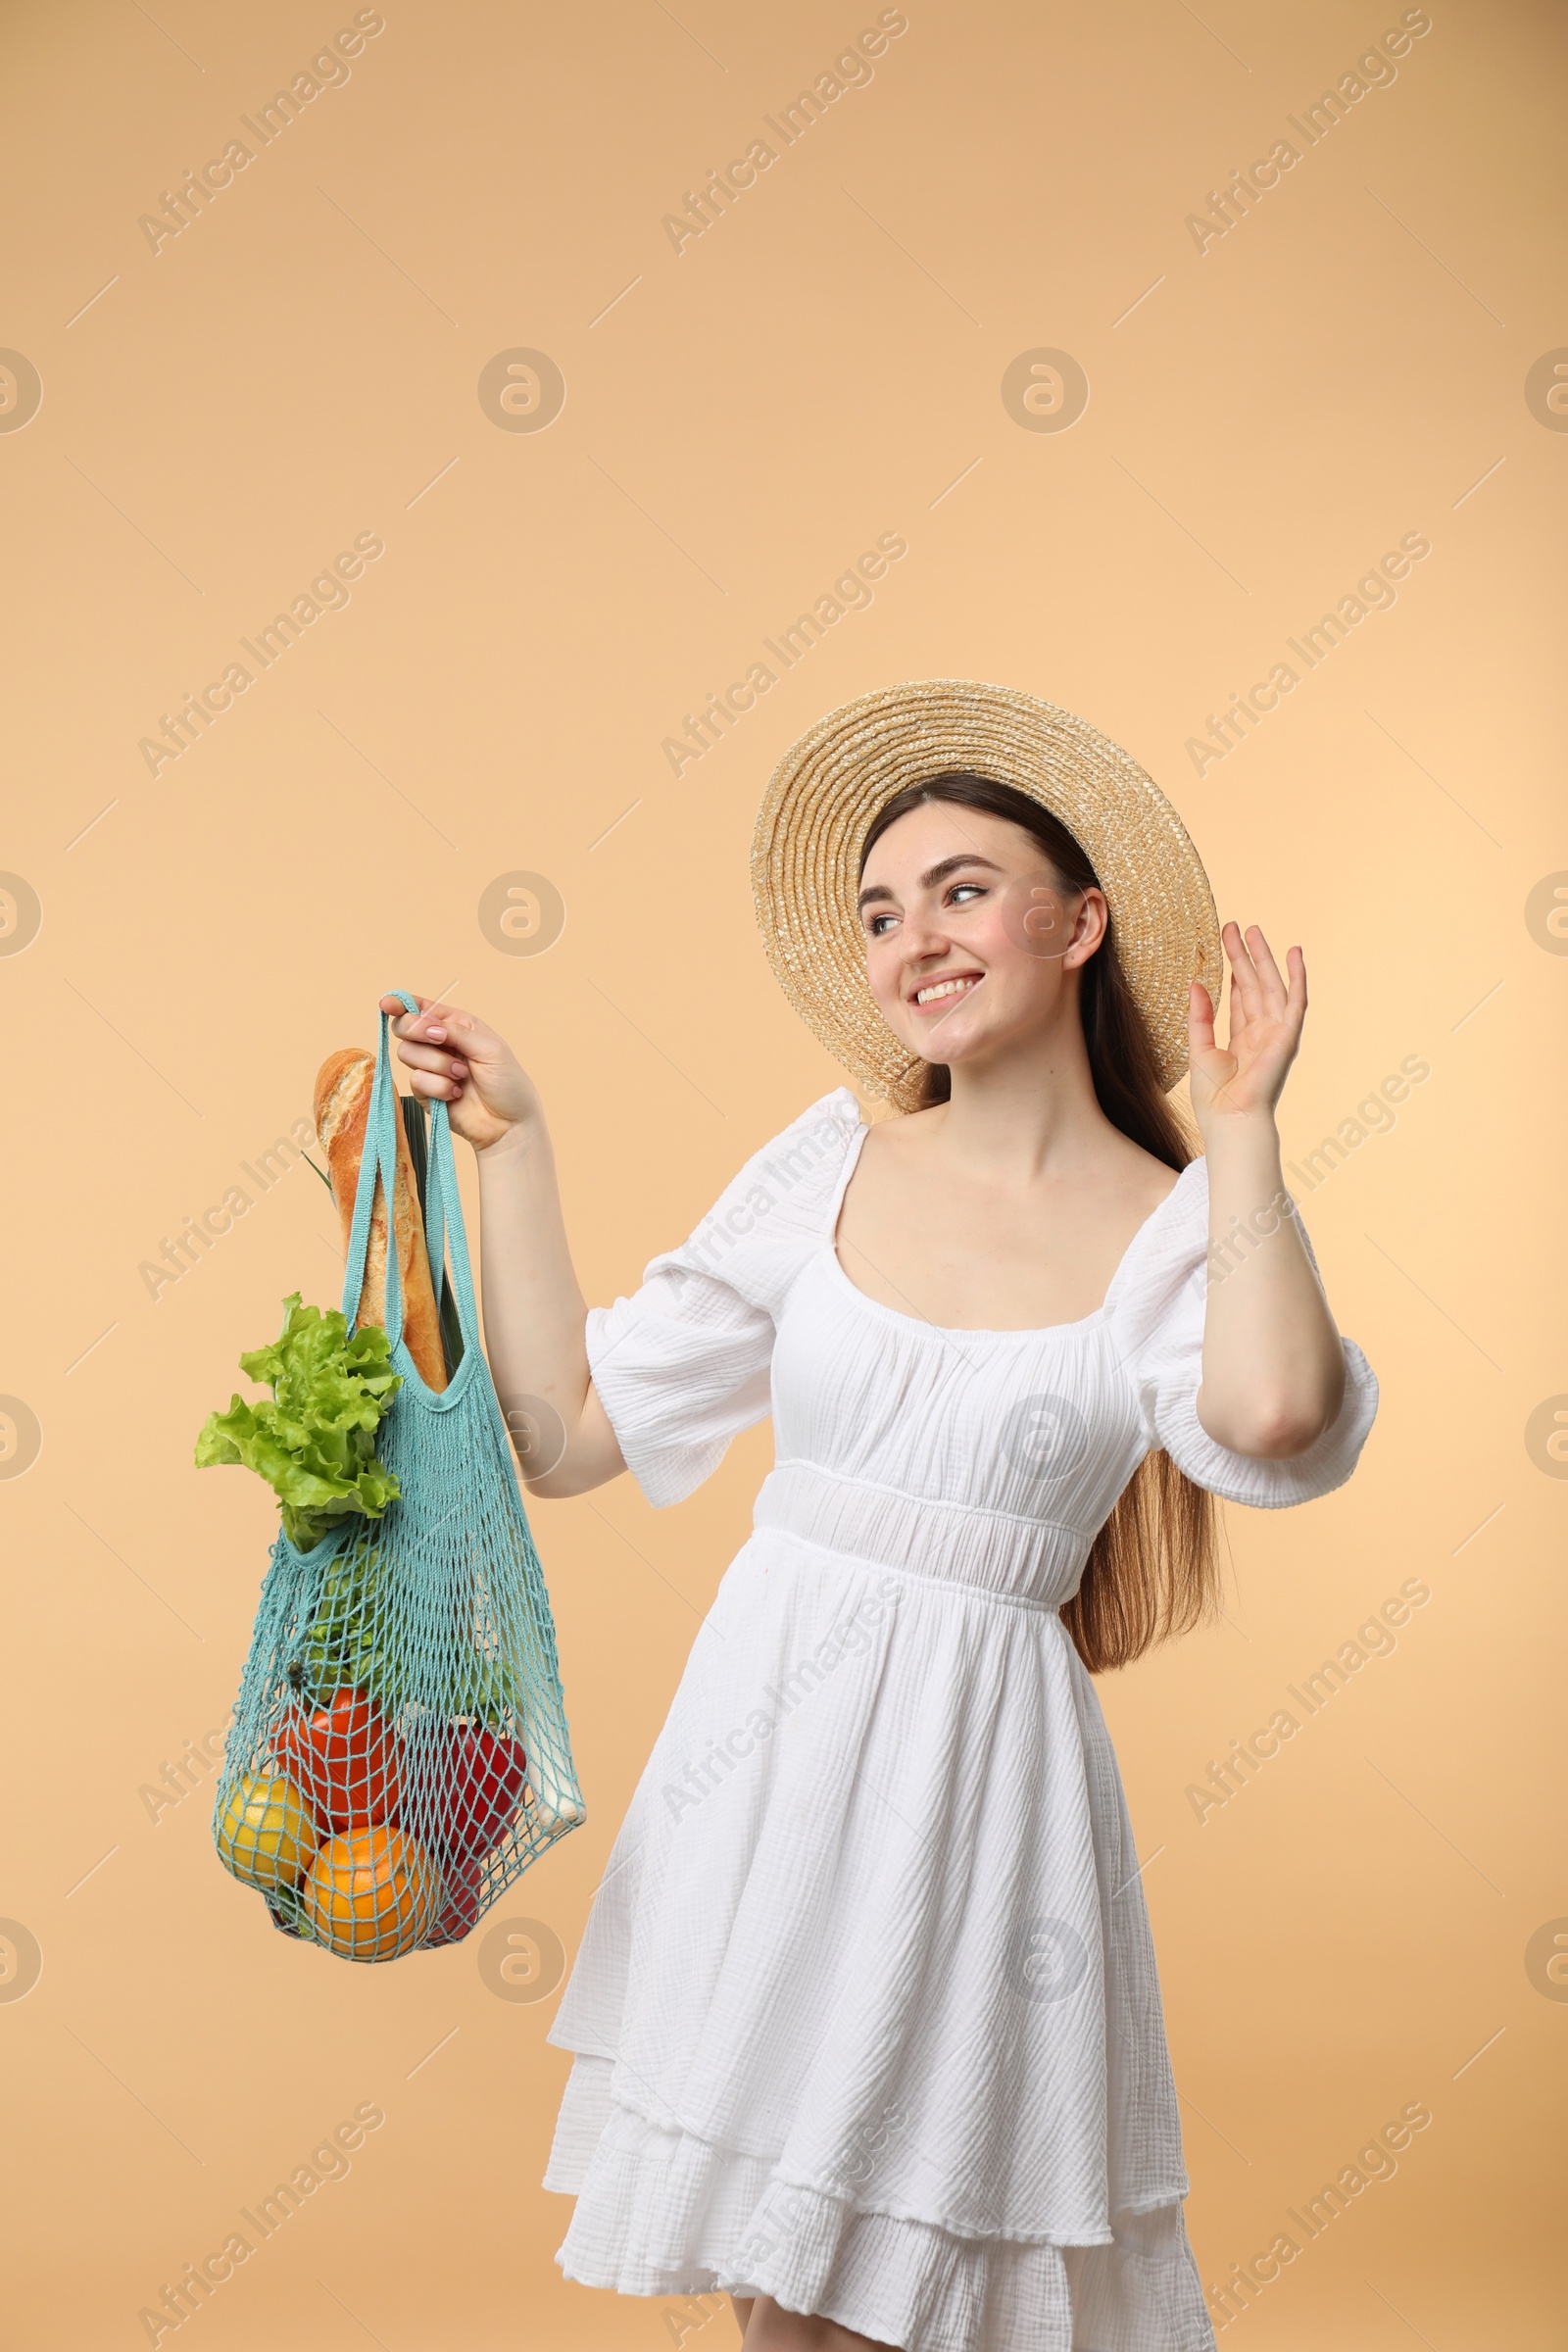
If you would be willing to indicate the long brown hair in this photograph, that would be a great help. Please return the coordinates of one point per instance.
(1153, 1568)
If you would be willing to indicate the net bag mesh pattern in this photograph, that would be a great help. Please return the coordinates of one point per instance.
(400, 1751)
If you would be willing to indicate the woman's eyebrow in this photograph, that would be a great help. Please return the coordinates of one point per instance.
(950, 865)
(932, 877)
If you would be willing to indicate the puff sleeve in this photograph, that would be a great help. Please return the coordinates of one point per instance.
(685, 1363)
(1160, 1330)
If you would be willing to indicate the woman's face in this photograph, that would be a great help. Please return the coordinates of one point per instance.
(971, 933)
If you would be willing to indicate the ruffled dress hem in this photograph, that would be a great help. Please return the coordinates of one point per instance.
(668, 2214)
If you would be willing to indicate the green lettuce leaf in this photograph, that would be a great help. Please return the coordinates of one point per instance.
(314, 1441)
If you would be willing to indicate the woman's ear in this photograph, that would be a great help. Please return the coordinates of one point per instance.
(1090, 925)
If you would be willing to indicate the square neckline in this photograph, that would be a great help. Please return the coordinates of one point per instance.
(968, 1330)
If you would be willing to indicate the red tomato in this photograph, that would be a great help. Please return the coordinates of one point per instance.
(479, 1783)
(345, 1759)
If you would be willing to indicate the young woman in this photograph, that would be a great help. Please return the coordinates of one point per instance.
(865, 2019)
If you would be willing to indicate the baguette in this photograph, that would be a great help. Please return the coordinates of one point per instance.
(342, 1108)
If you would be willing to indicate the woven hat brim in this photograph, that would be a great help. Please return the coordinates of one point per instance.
(833, 780)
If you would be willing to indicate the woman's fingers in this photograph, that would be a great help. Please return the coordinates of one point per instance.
(431, 1021)
(448, 1065)
(1243, 980)
(409, 1024)
(434, 1036)
(1275, 993)
(1247, 995)
(1199, 1019)
(1291, 1010)
(1259, 991)
(436, 1023)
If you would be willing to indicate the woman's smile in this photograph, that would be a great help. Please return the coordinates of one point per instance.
(943, 991)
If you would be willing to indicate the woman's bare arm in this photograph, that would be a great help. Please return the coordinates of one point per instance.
(534, 1312)
(1273, 1377)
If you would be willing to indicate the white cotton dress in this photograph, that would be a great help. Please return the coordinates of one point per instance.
(865, 2015)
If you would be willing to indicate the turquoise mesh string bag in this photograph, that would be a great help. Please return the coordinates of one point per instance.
(399, 1751)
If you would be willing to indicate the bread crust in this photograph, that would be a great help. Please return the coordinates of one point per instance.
(342, 1109)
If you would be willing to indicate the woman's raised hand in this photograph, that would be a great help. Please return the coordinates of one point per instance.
(455, 1057)
(1245, 1078)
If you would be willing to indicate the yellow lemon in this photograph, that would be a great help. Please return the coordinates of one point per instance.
(267, 1833)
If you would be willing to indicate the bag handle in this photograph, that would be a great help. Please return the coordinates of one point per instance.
(443, 1209)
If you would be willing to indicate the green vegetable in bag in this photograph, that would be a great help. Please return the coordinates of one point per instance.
(315, 1441)
(357, 1640)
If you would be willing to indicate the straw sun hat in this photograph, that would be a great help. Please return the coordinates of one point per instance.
(829, 786)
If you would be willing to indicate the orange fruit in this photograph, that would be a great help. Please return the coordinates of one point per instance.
(371, 1894)
(267, 1833)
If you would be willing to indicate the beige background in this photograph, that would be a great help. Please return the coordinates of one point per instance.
(1351, 1934)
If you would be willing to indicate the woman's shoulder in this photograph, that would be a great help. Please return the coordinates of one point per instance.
(813, 1145)
(1175, 1258)
(1168, 1252)
(784, 1192)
